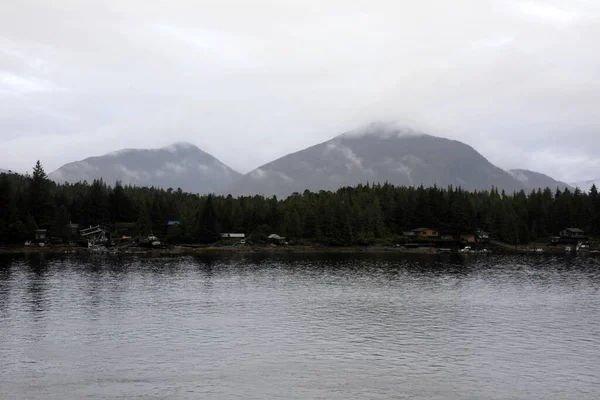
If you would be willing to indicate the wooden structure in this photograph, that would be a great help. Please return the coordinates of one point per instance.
(95, 235)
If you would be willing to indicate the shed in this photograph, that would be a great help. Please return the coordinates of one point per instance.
(73, 228)
(40, 235)
(276, 238)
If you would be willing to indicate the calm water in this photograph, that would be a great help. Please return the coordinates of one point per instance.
(306, 327)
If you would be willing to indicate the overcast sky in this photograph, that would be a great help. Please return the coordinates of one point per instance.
(252, 80)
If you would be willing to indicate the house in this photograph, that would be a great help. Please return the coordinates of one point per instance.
(233, 235)
(482, 236)
(409, 234)
(73, 228)
(276, 239)
(572, 233)
(173, 229)
(40, 235)
(426, 233)
(468, 238)
(447, 238)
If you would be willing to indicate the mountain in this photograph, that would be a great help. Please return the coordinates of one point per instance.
(536, 180)
(377, 153)
(181, 165)
(587, 185)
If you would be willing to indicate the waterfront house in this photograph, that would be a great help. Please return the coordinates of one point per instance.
(274, 238)
(173, 229)
(572, 234)
(233, 235)
(73, 229)
(426, 234)
(468, 238)
(482, 236)
(40, 235)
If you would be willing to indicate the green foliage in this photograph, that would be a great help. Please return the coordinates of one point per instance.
(361, 215)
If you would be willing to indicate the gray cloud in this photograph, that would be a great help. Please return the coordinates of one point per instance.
(251, 81)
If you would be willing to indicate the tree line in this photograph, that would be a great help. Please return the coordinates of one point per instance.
(361, 215)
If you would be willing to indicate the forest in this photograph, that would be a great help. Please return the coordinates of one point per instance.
(363, 215)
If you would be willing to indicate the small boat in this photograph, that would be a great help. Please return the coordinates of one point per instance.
(467, 250)
(582, 247)
(150, 241)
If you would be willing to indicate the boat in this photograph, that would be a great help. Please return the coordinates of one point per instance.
(582, 247)
(467, 250)
(150, 241)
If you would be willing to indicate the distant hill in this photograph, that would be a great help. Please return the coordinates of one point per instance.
(587, 185)
(181, 165)
(377, 153)
(536, 180)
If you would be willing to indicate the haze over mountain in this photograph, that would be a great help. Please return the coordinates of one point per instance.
(587, 185)
(377, 153)
(181, 165)
(536, 180)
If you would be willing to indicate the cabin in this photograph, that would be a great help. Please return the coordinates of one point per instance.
(73, 229)
(426, 234)
(482, 236)
(468, 238)
(276, 239)
(173, 229)
(233, 235)
(40, 235)
(572, 233)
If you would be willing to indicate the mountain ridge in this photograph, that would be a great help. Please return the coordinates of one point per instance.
(377, 153)
(179, 165)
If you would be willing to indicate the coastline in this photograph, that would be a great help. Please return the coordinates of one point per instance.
(190, 250)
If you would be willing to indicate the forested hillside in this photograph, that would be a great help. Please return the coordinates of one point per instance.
(359, 215)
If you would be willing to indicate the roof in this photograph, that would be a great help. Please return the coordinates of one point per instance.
(170, 223)
(276, 237)
(574, 230)
(41, 230)
(421, 229)
(408, 233)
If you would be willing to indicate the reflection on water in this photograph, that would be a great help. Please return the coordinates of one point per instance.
(349, 326)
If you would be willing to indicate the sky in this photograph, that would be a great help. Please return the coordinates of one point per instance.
(251, 81)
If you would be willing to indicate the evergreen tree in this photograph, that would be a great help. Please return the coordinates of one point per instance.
(40, 199)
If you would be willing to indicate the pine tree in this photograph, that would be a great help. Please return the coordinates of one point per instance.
(40, 201)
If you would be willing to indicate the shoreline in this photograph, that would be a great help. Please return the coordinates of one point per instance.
(190, 250)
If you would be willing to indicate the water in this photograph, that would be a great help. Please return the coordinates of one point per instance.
(299, 327)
